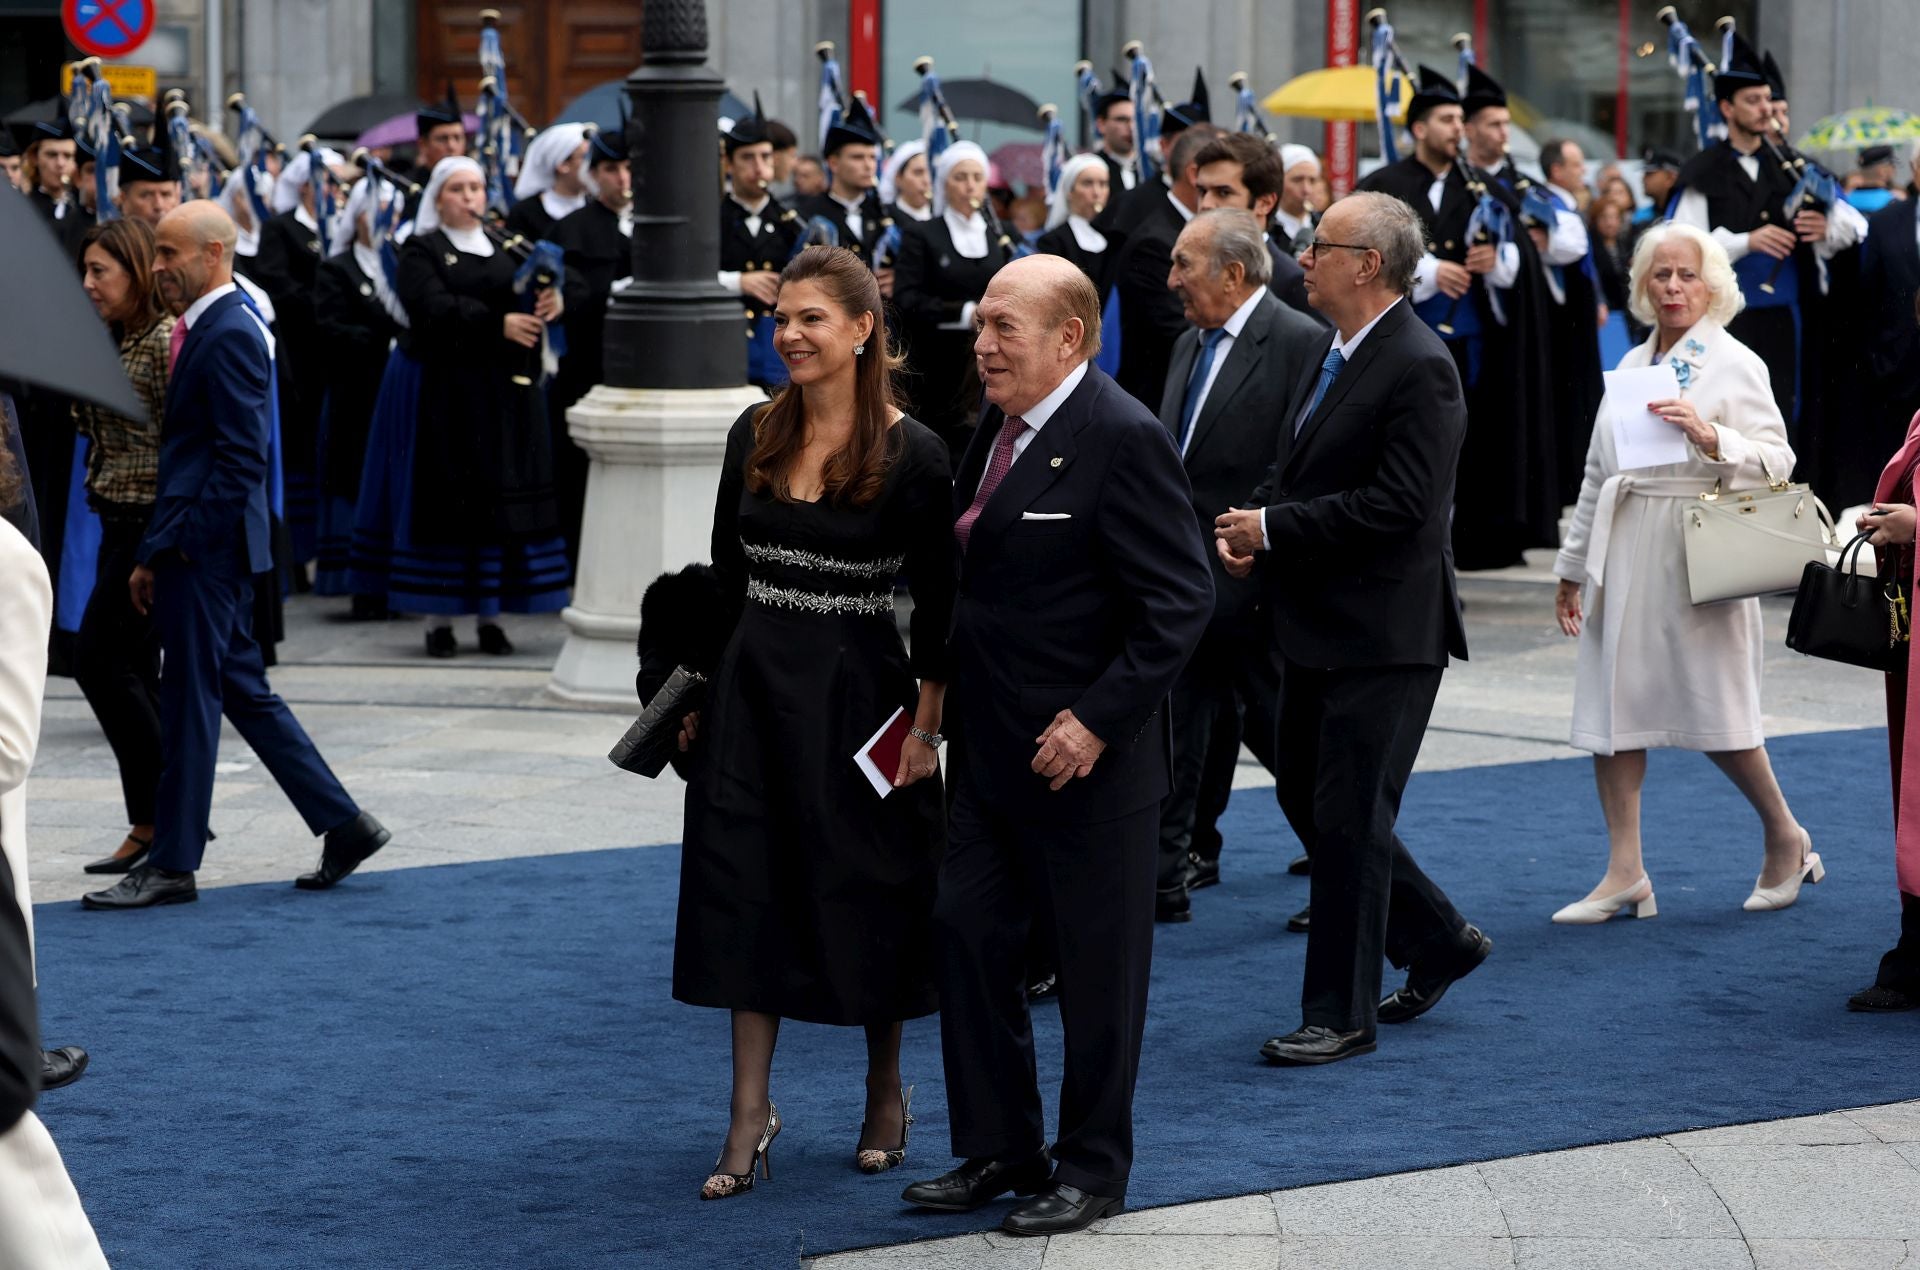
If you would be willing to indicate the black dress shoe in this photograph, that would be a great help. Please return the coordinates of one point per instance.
(1883, 1000)
(1300, 865)
(441, 643)
(121, 863)
(346, 849)
(62, 1066)
(1045, 988)
(1172, 906)
(1061, 1210)
(145, 887)
(369, 608)
(1202, 873)
(494, 640)
(1313, 1045)
(980, 1180)
(1301, 921)
(1426, 984)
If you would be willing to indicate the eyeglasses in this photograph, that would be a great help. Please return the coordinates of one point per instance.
(1319, 244)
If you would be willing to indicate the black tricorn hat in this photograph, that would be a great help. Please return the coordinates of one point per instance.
(748, 130)
(1483, 90)
(608, 147)
(148, 163)
(1776, 78)
(1178, 118)
(1435, 90)
(440, 113)
(1660, 159)
(1743, 70)
(856, 128)
(58, 128)
(1874, 156)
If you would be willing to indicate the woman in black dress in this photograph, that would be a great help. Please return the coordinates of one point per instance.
(1081, 196)
(944, 266)
(805, 894)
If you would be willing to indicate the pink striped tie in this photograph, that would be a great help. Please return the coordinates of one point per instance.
(997, 468)
(177, 338)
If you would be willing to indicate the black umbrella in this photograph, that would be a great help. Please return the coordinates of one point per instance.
(48, 108)
(54, 339)
(988, 101)
(355, 115)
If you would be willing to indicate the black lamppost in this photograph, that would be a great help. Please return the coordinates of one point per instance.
(674, 327)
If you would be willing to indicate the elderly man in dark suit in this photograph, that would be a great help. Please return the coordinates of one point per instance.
(1150, 318)
(1229, 378)
(1350, 529)
(1083, 590)
(206, 541)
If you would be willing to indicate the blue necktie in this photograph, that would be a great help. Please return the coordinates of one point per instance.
(1209, 344)
(1329, 371)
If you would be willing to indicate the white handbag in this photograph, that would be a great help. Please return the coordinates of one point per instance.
(1749, 542)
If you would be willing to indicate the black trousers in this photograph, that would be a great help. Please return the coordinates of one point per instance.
(1228, 690)
(1099, 879)
(117, 665)
(1351, 738)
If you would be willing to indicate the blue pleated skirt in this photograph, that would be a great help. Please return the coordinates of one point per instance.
(433, 578)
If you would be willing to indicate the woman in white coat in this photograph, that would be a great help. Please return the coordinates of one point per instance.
(41, 1222)
(1654, 669)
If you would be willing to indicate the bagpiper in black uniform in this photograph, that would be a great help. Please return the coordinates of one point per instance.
(1507, 498)
(552, 182)
(851, 204)
(757, 237)
(57, 201)
(598, 242)
(437, 141)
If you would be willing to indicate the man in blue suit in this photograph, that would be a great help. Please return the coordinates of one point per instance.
(207, 539)
(1083, 591)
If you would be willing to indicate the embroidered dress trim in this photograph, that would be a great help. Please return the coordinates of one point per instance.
(796, 557)
(872, 604)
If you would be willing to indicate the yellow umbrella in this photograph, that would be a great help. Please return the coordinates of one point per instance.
(1338, 93)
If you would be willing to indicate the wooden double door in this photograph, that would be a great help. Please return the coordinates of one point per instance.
(555, 50)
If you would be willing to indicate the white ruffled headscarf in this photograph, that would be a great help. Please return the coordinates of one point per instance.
(233, 200)
(428, 218)
(950, 158)
(1292, 155)
(362, 204)
(890, 174)
(294, 177)
(1062, 205)
(549, 150)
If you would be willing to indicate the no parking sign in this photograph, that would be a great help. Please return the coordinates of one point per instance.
(108, 28)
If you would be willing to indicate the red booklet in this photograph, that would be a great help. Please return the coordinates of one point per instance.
(879, 758)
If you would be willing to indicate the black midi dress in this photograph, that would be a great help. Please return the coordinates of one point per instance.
(803, 893)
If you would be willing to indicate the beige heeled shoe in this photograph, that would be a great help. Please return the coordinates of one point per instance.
(1767, 898)
(1639, 897)
(726, 1185)
(878, 1160)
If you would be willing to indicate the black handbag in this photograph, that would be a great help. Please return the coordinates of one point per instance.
(654, 739)
(1842, 616)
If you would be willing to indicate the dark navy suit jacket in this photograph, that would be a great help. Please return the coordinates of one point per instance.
(1096, 610)
(212, 504)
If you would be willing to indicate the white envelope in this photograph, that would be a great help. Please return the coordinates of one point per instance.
(1046, 515)
(1641, 438)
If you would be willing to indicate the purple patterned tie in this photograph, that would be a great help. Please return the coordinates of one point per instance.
(997, 467)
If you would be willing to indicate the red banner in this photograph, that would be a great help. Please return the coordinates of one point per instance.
(1343, 49)
(863, 51)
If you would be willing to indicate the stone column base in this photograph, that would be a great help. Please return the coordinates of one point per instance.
(656, 456)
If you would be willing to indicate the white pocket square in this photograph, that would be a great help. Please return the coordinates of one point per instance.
(1046, 515)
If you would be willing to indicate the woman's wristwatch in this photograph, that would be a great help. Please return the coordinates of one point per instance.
(933, 740)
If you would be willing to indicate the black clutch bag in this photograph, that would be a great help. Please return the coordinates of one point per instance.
(654, 739)
(1842, 616)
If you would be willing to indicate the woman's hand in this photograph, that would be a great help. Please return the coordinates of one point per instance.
(689, 729)
(522, 329)
(548, 306)
(1566, 607)
(918, 760)
(1892, 524)
(1682, 415)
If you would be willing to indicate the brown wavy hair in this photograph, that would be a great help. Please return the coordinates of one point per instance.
(855, 474)
(131, 244)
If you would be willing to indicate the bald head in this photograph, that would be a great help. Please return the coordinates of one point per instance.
(1039, 319)
(193, 253)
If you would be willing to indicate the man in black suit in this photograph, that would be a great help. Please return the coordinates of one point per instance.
(1351, 527)
(1889, 335)
(1239, 169)
(1083, 590)
(1114, 124)
(851, 203)
(1150, 318)
(1231, 374)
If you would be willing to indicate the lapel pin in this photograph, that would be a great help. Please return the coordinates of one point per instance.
(1058, 461)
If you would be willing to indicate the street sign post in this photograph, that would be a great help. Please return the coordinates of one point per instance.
(108, 28)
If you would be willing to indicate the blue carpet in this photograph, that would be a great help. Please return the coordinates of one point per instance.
(480, 1065)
